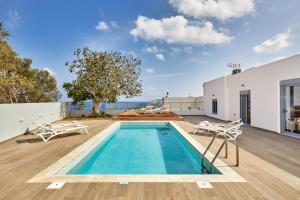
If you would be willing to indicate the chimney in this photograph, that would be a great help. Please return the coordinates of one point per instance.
(236, 68)
(236, 71)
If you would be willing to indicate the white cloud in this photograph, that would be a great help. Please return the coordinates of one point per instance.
(154, 75)
(177, 30)
(152, 49)
(49, 70)
(205, 53)
(188, 49)
(175, 50)
(150, 71)
(160, 56)
(277, 43)
(114, 24)
(168, 75)
(221, 9)
(13, 18)
(152, 92)
(102, 26)
(159, 75)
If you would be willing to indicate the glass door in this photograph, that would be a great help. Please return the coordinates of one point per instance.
(290, 106)
(245, 107)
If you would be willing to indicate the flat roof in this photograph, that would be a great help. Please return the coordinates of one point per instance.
(255, 67)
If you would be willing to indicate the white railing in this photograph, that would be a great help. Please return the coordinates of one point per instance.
(185, 108)
(85, 109)
(181, 108)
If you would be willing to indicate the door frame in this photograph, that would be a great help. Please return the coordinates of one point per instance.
(245, 92)
(283, 84)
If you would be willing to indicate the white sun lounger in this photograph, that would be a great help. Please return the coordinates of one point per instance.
(146, 111)
(59, 125)
(216, 127)
(203, 125)
(46, 132)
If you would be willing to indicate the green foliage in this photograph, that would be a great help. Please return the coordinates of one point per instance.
(77, 93)
(3, 33)
(100, 115)
(94, 115)
(79, 105)
(19, 82)
(103, 77)
(45, 87)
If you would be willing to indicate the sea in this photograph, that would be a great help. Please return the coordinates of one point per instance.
(121, 105)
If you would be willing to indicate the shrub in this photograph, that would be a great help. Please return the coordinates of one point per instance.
(100, 115)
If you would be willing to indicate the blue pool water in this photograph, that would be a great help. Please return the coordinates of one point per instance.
(142, 148)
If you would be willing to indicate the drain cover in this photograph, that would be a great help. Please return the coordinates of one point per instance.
(204, 184)
(123, 182)
(56, 185)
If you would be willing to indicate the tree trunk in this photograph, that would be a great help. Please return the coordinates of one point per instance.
(96, 105)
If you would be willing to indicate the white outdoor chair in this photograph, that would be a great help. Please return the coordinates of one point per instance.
(46, 132)
(239, 121)
(232, 134)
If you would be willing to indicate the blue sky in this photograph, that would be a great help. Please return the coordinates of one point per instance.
(182, 43)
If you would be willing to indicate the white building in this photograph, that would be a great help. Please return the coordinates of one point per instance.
(266, 97)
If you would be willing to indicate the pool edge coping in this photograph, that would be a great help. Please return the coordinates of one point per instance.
(50, 174)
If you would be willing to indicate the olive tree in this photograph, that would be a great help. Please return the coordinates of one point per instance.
(103, 76)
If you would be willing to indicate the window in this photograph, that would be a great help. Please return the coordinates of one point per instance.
(215, 106)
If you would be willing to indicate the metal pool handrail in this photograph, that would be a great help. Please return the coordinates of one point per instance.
(230, 134)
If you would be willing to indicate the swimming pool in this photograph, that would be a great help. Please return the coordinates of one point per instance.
(142, 148)
(138, 151)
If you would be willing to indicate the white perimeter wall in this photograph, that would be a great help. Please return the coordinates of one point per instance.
(264, 85)
(16, 119)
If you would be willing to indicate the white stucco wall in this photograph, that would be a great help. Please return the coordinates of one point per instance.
(16, 119)
(264, 85)
(188, 112)
(216, 89)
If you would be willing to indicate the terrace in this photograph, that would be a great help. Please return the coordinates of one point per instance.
(137, 112)
(264, 164)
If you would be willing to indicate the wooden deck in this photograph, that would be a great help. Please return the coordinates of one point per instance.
(269, 162)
